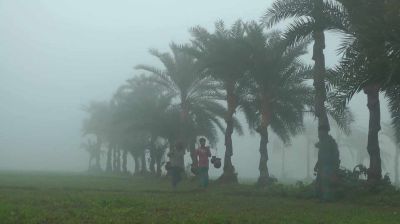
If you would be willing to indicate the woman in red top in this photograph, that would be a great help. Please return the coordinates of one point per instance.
(202, 154)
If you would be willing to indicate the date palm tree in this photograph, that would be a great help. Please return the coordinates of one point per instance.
(197, 95)
(312, 18)
(366, 66)
(97, 124)
(278, 92)
(141, 111)
(224, 55)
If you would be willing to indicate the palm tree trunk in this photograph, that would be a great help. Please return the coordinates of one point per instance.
(158, 161)
(153, 154)
(192, 152)
(319, 84)
(229, 174)
(152, 162)
(98, 154)
(137, 164)
(320, 98)
(125, 162)
(114, 159)
(375, 165)
(109, 158)
(182, 139)
(283, 163)
(144, 164)
(263, 131)
(262, 167)
(118, 160)
(396, 166)
(308, 176)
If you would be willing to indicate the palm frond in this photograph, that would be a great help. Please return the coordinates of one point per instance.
(286, 9)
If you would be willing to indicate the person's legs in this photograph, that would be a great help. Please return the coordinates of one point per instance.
(200, 175)
(206, 177)
(174, 176)
(179, 172)
(203, 173)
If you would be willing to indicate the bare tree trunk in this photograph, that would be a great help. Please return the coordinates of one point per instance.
(125, 162)
(229, 174)
(375, 165)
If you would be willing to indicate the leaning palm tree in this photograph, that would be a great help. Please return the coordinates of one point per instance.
(224, 55)
(197, 95)
(278, 92)
(311, 19)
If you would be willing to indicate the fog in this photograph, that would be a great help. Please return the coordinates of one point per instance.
(57, 56)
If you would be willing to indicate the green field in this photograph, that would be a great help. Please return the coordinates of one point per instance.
(73, 198)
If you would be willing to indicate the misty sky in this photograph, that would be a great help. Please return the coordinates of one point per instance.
(59, 55)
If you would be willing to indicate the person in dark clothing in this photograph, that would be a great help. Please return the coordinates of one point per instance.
(177, 163)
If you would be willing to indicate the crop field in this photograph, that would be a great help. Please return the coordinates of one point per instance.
(78, 198)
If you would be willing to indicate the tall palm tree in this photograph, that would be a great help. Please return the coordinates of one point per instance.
(224, 55)
(364, 66)
(279, 94)
(311, 19)
(197, 95)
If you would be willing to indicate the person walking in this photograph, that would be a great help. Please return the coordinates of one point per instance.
(176, 158)
(202, 154)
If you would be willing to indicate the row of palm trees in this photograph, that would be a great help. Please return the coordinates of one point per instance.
(259, 72)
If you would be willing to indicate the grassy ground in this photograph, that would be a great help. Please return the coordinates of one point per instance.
(72, 198)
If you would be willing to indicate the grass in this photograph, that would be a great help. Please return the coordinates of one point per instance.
(78, 198)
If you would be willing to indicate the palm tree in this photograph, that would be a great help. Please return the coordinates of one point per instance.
(278, 94)
(364, 66)
(311, 19)
(141, 111)
(224, 55)
(197, 95)
(94, 153)
(97, 124)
